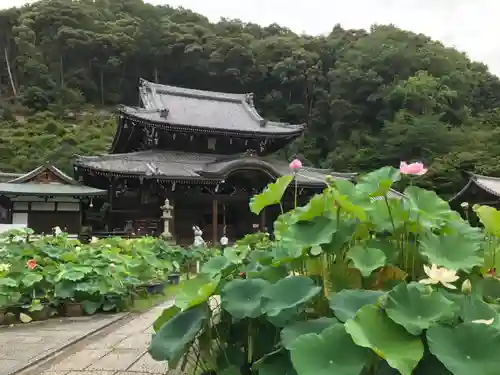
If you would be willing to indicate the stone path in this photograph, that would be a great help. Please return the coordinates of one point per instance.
(22, 345)
(120, 352)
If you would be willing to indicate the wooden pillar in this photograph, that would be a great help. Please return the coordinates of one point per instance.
(215, 222)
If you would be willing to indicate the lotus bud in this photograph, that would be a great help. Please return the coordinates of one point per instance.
(466, 287)
(329, 179)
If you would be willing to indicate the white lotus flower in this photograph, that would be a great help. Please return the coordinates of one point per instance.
(94, 240)
(483, 321)
(57, 230)
(440, 275)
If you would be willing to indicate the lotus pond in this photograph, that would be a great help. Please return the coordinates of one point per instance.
(354, 283)
(57, 275)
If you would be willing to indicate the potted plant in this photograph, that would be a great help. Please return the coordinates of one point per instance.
(351, 285)
(38, 309)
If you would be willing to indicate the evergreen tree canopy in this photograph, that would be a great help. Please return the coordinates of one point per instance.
(370, 98)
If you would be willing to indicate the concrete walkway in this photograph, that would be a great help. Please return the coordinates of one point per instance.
(122, 351)
(23, 345)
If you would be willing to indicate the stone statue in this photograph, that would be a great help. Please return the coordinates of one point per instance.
(198, 237)
(167, 216)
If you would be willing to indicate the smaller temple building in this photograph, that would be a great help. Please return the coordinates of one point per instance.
(43, 199)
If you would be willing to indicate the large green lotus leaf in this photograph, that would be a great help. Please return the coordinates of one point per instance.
(346, 228)
(426, 207)
(90, 307)
(315, 207)
(454, 252)
(277, 364)
(378, 183)
(366, 259)
(195, 291)
(288, 293)
(8, 282)
(290, 333)
(372, 328)
(286, 249)
(270, 273)
(215, 265)
(330, 352)
(381, 219)
(165, 316)
(490, 218)
(242, 297)
(271, 195)
(348, 199)
(346, 303)
(31, 278)
(466, 349)
(389, 248)
(171, 341)
(473, 307)
(317, 231)
(416, 307)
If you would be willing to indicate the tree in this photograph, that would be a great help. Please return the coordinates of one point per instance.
(368, 97)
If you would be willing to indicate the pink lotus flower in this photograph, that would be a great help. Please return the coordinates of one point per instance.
(31, 264)
(295, 164)
(413, 168)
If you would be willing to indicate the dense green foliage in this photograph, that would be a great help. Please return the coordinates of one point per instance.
(350, 286)
(104, 274)
(369, 98)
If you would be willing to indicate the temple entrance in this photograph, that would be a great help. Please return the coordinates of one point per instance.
(226, 212)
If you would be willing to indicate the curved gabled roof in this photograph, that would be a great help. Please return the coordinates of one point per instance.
(206, 111)
(487, 183)
(42, 168)
(192, 167)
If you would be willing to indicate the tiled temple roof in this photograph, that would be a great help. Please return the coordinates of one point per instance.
(206, 111)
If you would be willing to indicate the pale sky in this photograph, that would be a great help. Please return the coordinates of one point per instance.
(471, 26)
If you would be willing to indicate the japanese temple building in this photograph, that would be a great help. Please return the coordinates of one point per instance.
(43, 199)
(207, 152)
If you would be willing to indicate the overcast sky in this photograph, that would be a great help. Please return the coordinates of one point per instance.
(471, 26)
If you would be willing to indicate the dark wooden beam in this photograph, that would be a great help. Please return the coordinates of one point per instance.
(215, 221)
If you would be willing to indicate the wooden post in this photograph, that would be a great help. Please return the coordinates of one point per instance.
(263, 220)
(215, 222)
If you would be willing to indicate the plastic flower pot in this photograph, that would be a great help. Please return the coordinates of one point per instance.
(39, 315)
(155, 288)
(174, 278)
(73, 309)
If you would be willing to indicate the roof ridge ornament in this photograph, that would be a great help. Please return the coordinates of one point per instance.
(250, 99)
(164, 112)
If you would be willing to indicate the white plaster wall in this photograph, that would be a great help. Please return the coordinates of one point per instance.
(43, 206)
(68, 206)
(20, 218)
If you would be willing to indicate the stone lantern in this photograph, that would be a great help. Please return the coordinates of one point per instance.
(167, 217)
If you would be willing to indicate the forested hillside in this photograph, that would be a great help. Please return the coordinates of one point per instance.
(369, 98)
